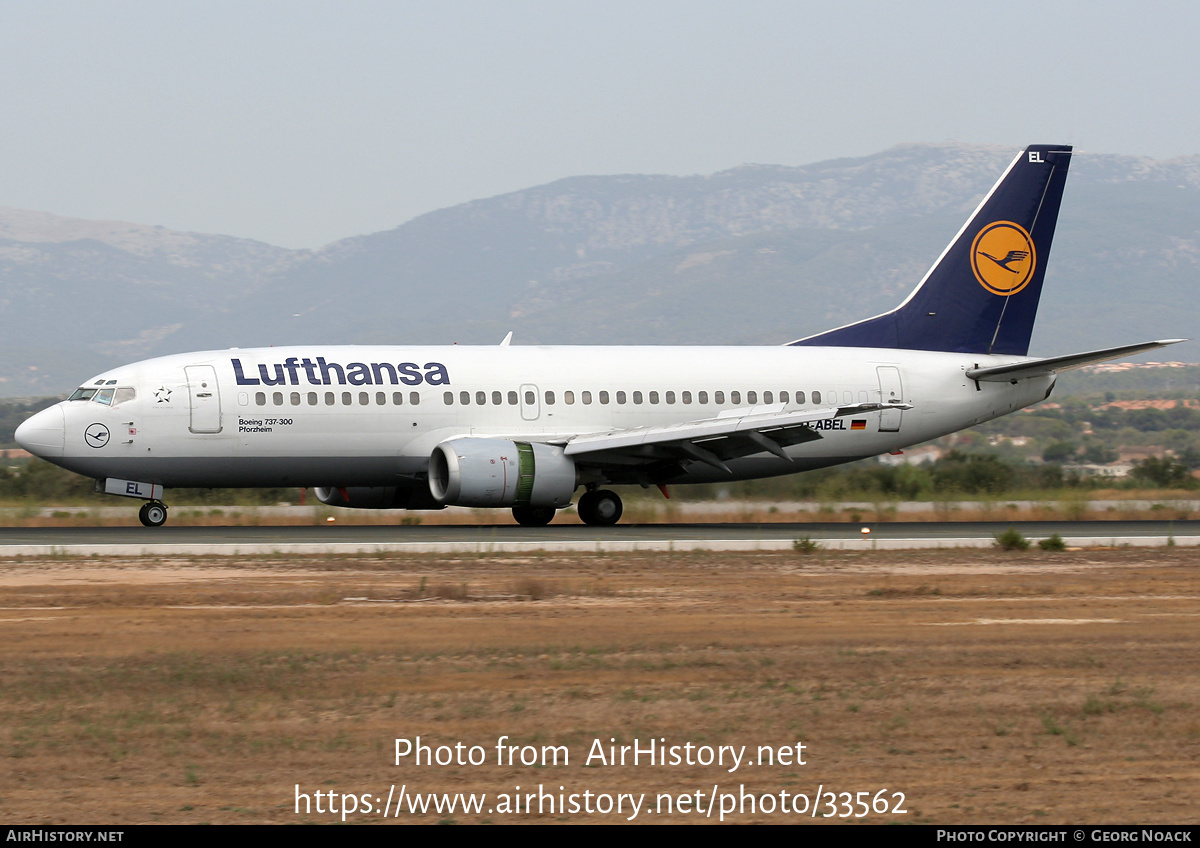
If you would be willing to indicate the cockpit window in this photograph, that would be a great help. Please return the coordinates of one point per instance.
(124, 394)
(104, 396)
(82, 394)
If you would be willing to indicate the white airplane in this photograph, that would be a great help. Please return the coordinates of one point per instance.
(526, 427)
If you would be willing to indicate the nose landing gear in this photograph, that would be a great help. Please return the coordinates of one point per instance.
(153, 514)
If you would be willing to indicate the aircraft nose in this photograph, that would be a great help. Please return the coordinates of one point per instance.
(44, 434)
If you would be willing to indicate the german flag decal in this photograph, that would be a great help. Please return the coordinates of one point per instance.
(858, 424)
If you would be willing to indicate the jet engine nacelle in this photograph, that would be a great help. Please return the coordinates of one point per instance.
(497, 472)
(377, 497)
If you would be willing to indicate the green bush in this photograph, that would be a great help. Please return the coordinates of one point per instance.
(1011, 540)
(1054, 543)
(805, 545)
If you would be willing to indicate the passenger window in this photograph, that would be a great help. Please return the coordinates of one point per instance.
(654, 397)
(604, 397)
(397, 398)
(701, 397)
(464, 398)
(481, 398)
(686, 397)
(449, 398)
(549, 398)
(512, 398)
(329, 399)
(364, 399)
(620, 397)
(346, 399)
(637, 397)
(277, 398)
(719, 398)
(670, 398)
(497, 399)
(735, 397)
(816, 397)
(414, 398)
(799, 397)
(381, 398)
(768, 397)
(530, 398)
(568, 398)
(586, 397)
(783, 397)
(312, 398)
(751, 397)
(260, 398)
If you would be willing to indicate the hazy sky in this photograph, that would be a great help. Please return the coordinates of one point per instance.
(299, 123)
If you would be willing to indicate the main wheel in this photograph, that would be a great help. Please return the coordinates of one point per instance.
(153, 514)
(601, 508)
(533, 516)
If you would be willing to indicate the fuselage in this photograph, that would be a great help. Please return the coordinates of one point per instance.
(339, 416)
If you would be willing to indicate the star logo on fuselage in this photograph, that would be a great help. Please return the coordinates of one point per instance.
(162, 395)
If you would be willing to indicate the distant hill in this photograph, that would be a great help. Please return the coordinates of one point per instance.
(756, 254)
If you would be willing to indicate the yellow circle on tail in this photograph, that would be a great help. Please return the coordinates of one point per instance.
(1003, 258)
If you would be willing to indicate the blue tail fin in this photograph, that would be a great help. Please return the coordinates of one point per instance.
(981, 296)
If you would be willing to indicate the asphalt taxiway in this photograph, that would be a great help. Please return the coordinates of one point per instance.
(366, 539)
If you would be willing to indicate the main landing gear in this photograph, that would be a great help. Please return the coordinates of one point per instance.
(533, 516)
(153, 514)
(600, 508)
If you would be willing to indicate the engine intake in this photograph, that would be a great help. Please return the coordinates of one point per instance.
(497, 472)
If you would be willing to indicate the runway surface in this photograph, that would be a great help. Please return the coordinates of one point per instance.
(335, 539)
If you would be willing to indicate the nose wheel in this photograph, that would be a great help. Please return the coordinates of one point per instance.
(153, 514)
(601, 508)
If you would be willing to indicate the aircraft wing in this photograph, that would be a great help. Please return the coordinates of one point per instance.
(733, 433)
(1052, 364)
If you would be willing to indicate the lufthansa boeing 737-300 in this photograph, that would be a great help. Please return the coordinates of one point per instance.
(527, 427)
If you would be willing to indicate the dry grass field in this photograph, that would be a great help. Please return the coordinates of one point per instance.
(984, 686)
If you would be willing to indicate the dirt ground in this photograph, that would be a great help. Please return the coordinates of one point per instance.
(941, 686)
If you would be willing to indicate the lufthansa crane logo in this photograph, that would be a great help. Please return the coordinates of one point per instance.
(1003, 258)
(96, 435)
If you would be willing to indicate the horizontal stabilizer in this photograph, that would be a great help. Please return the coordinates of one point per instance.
(1054, 364)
